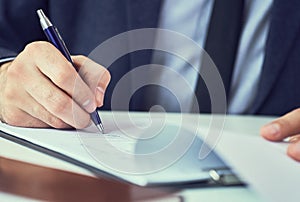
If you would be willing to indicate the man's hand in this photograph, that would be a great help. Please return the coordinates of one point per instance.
(41, 88)
(283, 127)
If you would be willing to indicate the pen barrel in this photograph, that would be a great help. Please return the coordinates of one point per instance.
(55, 38)
(95, 117)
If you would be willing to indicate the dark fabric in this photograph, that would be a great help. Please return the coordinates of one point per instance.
(279, 90)
(221, 45)
(87, 23)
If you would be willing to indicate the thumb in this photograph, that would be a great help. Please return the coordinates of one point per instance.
(285, 126)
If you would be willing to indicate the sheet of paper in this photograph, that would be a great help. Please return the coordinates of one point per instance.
(263, 164)
(167, 154)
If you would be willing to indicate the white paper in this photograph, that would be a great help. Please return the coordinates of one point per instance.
(264, 165)
(163, 153)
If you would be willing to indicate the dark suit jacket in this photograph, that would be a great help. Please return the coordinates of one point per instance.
(85, 24)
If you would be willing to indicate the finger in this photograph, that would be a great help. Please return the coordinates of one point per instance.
(16, 117)
(294, 150)
(15, 96)
(292, 139)
(12, 98)
(282, 127)
(96, 76)
(57, 102)
(34, 109)
(62, 73)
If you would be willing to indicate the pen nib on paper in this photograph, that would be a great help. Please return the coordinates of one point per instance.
(100, 127)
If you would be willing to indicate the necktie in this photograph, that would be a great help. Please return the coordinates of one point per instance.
(221, 45)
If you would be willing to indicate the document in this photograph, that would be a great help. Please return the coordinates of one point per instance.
(264, 165)
(159, 154)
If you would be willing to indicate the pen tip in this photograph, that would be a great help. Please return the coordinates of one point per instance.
(100, 127)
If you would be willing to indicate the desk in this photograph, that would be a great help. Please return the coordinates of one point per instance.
(20, 153)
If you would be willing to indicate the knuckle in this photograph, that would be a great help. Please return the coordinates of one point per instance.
(36, 109)
(36, 47)
(62, 76)
(57, 102)
(14, 71)
(81, 57)
(46, 93)
(297, 111)
(20, 70)
(9, 94)
(284, 125)
(81, 60)
(60, 106)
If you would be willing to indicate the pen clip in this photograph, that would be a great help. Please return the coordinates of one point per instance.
(225, 177)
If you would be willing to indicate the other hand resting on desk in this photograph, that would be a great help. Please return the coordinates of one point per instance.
(37, 88)
(283, 127)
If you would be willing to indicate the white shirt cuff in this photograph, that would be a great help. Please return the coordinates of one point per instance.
(4, 60)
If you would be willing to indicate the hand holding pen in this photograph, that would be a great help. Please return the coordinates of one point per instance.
(54, 37)
(38, 89)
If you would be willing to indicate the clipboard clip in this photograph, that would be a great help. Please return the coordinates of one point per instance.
(225, 177)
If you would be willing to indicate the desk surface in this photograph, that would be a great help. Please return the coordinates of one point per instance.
(20, 153)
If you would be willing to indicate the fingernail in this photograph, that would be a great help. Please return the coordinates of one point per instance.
(86, 103)
(272, 129)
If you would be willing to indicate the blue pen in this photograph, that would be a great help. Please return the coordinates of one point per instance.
(54, 37)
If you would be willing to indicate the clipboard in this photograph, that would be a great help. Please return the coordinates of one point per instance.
(187, 170)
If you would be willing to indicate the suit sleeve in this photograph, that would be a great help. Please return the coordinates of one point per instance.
(19, 25)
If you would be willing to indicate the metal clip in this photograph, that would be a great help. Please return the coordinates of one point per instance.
(224, 176)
